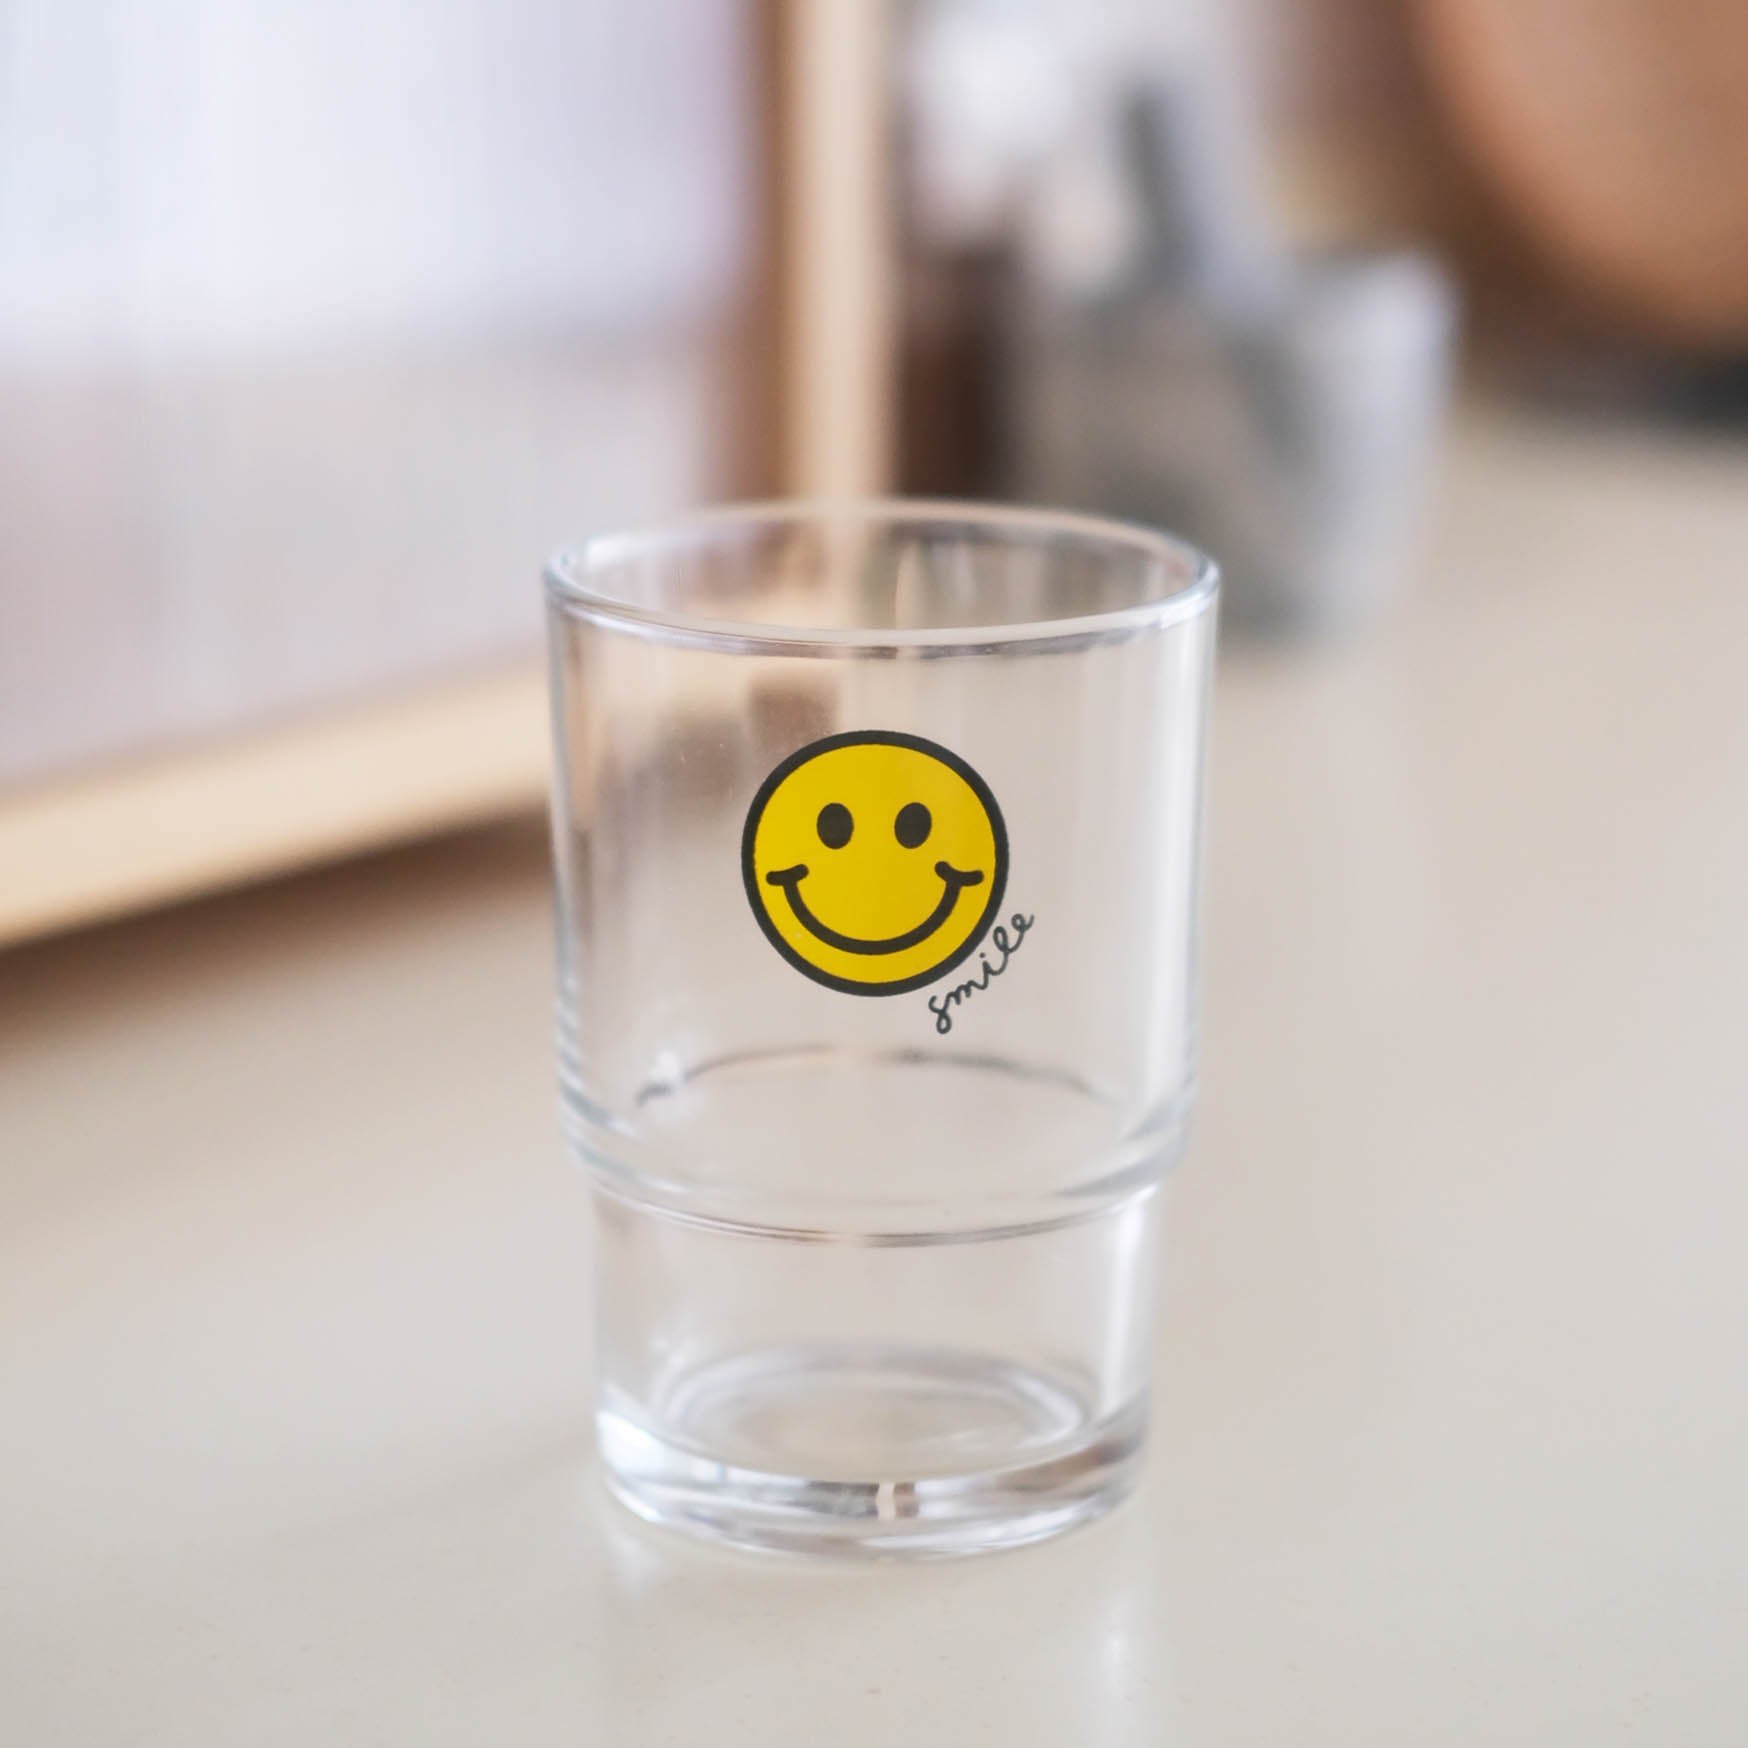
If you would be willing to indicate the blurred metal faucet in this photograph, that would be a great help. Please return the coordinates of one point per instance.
(1281, 412)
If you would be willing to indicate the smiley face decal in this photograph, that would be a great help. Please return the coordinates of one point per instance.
(874, 861)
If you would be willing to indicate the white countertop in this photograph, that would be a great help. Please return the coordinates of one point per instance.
(1452, 1397)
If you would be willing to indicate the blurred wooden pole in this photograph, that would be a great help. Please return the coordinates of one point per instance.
(835, 243)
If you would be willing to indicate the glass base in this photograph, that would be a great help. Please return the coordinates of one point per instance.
(871, 1452)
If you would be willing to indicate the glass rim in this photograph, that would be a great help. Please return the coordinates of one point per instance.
(568, 570)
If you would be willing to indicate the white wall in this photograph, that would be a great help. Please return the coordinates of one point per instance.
(214, 176)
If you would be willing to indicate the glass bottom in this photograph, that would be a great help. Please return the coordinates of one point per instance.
(871, 1451)
(876, 1304)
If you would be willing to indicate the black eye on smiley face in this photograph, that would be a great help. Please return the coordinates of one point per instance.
(836, 825)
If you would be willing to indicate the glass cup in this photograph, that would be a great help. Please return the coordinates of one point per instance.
(877, 831)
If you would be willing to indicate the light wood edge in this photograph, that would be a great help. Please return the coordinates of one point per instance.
(837, 256)
(460, 753)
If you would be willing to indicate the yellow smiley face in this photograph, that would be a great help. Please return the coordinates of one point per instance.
(874, 861)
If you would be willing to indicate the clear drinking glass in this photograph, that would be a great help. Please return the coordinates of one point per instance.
(877, 836)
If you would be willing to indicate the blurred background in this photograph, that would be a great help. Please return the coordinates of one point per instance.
(319, 325)
(323, 321)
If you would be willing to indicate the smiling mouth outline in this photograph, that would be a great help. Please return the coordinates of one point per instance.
(953, 882)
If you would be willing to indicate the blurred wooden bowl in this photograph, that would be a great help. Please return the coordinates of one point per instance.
(1617, 131)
